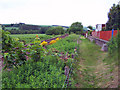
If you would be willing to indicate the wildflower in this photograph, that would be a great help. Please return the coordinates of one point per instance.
(57, 39)
(53, 41)
(36, 36)
(44, 43)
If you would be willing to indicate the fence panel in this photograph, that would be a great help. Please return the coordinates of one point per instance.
(105, 35)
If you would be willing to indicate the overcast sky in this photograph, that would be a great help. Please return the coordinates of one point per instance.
(55, 12)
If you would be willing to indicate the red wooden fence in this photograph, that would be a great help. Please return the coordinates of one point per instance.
(105, 35)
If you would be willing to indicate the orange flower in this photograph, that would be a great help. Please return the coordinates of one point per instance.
(36, 36)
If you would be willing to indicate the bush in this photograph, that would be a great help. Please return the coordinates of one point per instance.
(76, 27)
(114, 43)
(55, 30)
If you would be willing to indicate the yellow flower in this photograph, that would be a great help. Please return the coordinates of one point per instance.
(44, 43)
(51, 42)
(57, 39)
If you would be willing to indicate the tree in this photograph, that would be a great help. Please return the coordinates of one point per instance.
(76, 27)
(55, 30)
(113, 18)
(90, 27)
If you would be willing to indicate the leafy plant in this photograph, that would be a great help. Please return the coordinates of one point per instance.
(42, 74)
(114, 43)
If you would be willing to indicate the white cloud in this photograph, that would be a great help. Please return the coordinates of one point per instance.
(61, 12)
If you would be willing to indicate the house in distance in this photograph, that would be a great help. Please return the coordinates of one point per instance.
(100, 27)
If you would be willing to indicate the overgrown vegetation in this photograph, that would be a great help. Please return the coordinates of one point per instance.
(29, 38)
(114, 43)
(32, 66)
(113, 50)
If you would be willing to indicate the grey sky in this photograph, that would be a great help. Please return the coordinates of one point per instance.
(55, 12)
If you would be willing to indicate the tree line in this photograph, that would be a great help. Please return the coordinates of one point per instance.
(75, 27)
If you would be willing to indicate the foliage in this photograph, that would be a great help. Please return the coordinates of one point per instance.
(22, 28)
(15, 53)
(66, 45)
(47, 73)
(32, 66)
(114, 43)
(66, 49)
(55, 30)
(29, 38)
(113, 18)
(41, 70)
(76, 27)
(12, 51)
(90, 27)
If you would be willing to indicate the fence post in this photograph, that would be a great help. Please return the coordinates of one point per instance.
(112, 33)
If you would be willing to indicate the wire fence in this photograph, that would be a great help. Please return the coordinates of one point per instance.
(67, 81)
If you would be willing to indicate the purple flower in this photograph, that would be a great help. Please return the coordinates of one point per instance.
(72, 56)
(25, 45)
(31, 44)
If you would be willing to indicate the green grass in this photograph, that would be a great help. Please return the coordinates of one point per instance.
(95, 68)
(89, 52)
(28, 38)
(112, 58)
(89, 56)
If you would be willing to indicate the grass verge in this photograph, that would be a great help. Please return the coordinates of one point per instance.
(94, 68)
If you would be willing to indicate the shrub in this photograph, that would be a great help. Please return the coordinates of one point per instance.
(114, 43)
(55, 30)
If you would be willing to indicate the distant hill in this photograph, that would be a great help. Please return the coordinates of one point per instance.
(23, 26)
(28, 28)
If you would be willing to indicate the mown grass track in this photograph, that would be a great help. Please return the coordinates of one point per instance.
(94, 69)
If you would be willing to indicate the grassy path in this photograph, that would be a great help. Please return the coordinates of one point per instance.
(92, 71)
